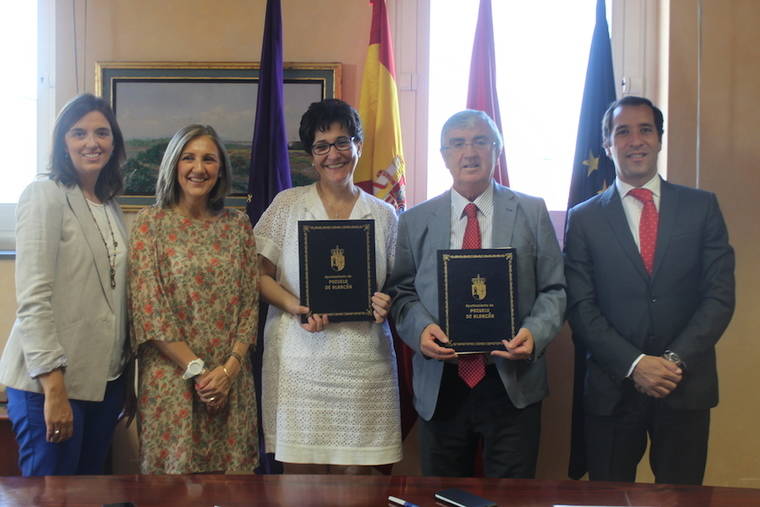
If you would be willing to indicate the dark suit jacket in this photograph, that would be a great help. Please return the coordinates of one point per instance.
(618, 311)
(520, 221)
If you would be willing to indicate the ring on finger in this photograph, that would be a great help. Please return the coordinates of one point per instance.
(57, 432)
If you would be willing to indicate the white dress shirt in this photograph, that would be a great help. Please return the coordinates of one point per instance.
(484, 202)
(633, 207)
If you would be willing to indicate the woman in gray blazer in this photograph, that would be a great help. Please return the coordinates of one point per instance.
(64, 359)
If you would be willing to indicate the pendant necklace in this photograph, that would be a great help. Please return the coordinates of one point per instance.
(111, 256)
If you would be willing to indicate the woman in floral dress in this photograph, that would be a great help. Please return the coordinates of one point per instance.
(194, 301)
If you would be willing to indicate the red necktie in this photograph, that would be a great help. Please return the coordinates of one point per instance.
(472, 369)
(647, 226)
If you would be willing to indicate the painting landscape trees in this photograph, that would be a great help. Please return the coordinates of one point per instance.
(154, 100)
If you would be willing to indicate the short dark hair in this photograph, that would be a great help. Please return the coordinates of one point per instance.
(61, 168)
(168, 190)
(630, 100)
(321, 115)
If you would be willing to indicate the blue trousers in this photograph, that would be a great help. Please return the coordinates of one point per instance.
(84, 453)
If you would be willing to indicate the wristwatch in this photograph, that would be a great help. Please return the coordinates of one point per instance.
(674, 358)
(194, 368)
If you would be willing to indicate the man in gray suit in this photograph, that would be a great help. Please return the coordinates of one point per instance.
(500, 406)
(650, 277)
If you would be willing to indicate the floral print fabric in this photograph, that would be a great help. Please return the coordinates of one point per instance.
(196, 281)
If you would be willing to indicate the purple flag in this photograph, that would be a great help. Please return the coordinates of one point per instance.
(269, 172)
(270, 168)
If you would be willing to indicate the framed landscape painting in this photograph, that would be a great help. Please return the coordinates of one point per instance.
(152, 100)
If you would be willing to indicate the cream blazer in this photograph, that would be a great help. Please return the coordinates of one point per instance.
(65, 307)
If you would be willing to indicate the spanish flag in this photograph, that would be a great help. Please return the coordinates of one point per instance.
(381, 168)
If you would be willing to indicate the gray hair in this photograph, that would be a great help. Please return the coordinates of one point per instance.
(168, 190)
(467, 119)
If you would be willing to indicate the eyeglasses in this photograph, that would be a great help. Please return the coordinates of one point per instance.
(342, 143)
(478, 143)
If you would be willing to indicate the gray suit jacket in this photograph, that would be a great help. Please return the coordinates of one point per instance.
(619, 312)
(519, 221)
(65, 308)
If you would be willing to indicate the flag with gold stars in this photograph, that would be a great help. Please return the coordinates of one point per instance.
(593, 172)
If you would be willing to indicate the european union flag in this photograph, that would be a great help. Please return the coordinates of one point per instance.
(593, 172)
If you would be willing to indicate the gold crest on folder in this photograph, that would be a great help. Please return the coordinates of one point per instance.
(479, 288)
(337, 259)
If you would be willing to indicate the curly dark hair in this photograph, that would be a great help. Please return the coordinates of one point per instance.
(321, 115)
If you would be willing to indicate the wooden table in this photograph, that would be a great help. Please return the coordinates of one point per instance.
(312, 490)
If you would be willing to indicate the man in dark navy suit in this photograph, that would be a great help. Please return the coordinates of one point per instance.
(650, 282)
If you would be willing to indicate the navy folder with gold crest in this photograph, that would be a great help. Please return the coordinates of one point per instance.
(477, 290)
(337, 262)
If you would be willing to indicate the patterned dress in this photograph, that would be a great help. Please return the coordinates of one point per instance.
(331, 396)
(194, 281)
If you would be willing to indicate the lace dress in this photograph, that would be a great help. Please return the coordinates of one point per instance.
(196, 281)
(328, 397)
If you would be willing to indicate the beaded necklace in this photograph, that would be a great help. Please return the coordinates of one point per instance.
(111, 255)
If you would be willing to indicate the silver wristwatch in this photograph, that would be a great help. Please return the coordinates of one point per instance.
(674, 358)
(193, 369)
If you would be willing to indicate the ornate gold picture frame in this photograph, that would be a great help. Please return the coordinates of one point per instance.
(152, 100)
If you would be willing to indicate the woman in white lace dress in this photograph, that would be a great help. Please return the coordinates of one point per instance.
(329, 390)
